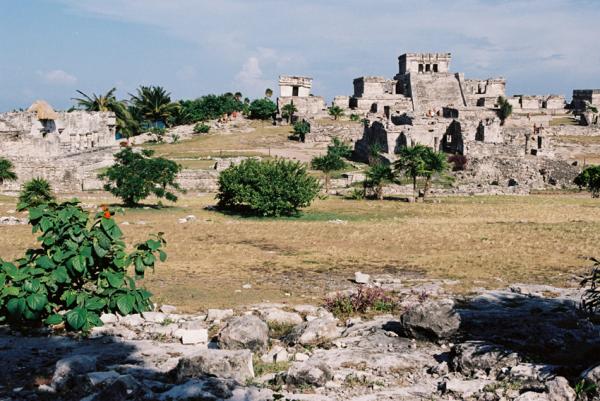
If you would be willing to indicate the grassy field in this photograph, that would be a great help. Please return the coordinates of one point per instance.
(480, 241)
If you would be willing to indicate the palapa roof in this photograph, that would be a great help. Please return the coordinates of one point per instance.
(43, 110)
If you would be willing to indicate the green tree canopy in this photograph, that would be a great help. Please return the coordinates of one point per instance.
(336, 112)
(7, 172)
(589, 178)
(288, 110)
(137, 175)
(378, 175)
(262, 109)
(35, 192)
(153, 104)
(505, 110)
(266, 188)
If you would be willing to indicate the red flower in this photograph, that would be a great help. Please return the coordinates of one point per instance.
(107, 214)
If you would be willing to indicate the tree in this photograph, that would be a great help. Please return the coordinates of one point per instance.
(301, 128)
(34, 193)
(378, 175)
(78, 272)
(434, 163)
(268, 92)
(266, 188)
(327, 164)
(137, 175)
(411, 163)
(7, 172)
(262, 109)
(589, 178)
(505, 109)
(336, 112)
(126, 124)
(339, 148)
(288, 110)
(153, 104)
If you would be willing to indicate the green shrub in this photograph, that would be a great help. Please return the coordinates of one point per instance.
(7, 172)
(354, 117)
(201, 128)
(79, 271)
(206, 108)
(505, 110)
(301, 128)
(266, 188)
(35, 192)
(339, 148)
(137, 175)
(589, 178)
(262, 109)
(364, 300)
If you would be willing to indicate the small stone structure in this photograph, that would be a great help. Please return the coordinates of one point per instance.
(296, 90)
(62, 147)
(584, 97)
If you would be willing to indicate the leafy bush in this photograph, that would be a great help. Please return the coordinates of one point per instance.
(6, 171)
(339, 148)
(459, 162)
(34, 193)
(378, 175)
(135, 176)
(364, 300)
(590, 300)
(201, 128)
(327, 164)
(79, 271)
(262, 109)
(301, 128)
(589, 178)
(206, 108)
(336, 112)
(505, 110)
(266, 188)
(354, 117)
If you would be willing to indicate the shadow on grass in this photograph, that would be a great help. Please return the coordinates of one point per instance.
(308, 215)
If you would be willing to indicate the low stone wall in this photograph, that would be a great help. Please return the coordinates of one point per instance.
(349, 131)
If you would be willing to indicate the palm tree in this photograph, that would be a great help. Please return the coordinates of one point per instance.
(288, 111)
(268, 92)
(238, 96)
(411, 163)
(435, 163)
(327, 164)
(6, 171)
(153, 104)
(35, 192)
(336, 112)
(126, 124)
(505, 109)
(378, 175)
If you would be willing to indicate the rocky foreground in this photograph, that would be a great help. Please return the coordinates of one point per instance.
(523, 343)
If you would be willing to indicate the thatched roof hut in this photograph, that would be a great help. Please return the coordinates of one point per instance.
(43, 110)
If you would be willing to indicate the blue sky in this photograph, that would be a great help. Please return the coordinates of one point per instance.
(50, 48)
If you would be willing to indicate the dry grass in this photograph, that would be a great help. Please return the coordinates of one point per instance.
(235, 144)
(557, 121)
(481, 241)
(579, 139)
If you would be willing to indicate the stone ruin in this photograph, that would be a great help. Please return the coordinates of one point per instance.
(296, 90)
(426, 103)
(66, 148)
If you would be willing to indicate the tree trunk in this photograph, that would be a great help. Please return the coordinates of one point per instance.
(379, 192)
(326, 183)
(415, 194)
(426, 188)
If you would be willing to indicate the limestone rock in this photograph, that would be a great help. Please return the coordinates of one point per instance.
(154, 317)
(559, 390)
(218, 314)
(109, 318)
(245, 332)
(97, 378)
(133, 320)
(532, 396)
(67, 370)
(209, 388)
(191, 337)
(124, 387)
(168, 309)
(306, 373)
(317, 331)
(475, 357)
(224, 364)
(277, 354)
(361, 278)
(592, 376)
(431, 320)
(278, 316)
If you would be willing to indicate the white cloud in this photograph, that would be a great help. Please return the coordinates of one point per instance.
(537, 45)
(57, 77)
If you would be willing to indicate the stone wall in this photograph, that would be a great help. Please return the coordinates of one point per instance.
(311, 106)
(347, 131)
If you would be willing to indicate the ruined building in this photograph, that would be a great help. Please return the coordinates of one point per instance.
(297, 90)
(62, 147)
(426, 103)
